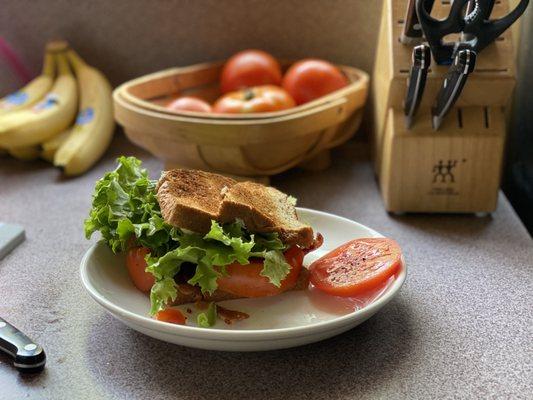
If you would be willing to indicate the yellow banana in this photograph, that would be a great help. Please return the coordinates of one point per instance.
(49, 148)
(27, 153)
(47, 118)
(34, 90)
(91, 135)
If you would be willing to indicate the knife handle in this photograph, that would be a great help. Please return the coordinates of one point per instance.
(27, 355)
(452, 86)
(417, 81)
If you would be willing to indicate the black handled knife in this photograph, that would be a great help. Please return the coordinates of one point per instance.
(454, 81)
(417, 81)
(412, 31)
(27, 355)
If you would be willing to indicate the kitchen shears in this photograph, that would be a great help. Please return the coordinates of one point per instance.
(476, 31)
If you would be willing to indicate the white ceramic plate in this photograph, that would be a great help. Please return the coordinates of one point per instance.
(290, 319)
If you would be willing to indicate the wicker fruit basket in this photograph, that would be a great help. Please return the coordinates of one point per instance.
(251, 145)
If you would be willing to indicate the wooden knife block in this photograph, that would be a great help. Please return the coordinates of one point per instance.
(457, 168)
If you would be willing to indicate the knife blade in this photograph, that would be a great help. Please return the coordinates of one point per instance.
(412, 31)
(454, 81)
(27, 355)
(417, 81)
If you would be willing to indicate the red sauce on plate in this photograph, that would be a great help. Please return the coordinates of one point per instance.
(343, 305)
(230, 316)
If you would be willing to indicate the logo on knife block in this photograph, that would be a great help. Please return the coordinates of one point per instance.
(444, 173)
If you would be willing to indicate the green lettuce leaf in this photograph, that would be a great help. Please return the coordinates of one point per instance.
(275, 268)
(205, 277)
(163, 291)
(125, 207)
(211, 253)
(268, 241)
(241, 245)
(208, 319)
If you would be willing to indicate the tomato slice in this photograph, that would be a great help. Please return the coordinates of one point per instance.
(356, 267)
(246, 280)
(136, 265)
(171, 315)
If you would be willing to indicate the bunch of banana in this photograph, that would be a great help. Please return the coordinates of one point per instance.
(44, 128)
(31, 94)
(48, 117)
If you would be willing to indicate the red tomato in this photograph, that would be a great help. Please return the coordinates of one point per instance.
(189, 103)
(136, 267)
(254, 100)
(249, 68)
(310, 79)
(246, 280)
(171, 315)
(356, 267)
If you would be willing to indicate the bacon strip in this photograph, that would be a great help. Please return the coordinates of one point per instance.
(317, 242)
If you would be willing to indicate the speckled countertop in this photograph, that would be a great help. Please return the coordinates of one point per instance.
(460, 328)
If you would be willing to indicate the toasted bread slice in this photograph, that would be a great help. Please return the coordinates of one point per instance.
(264, 209)
(190, 294)
(191, 199)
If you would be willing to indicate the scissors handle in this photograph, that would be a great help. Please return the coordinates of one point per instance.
(475, 26)
(492, 29)
(486, 5)
(412, 31)
(435, 30)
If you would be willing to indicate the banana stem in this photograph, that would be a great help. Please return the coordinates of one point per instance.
(62, 64)
(76, 61)
(49, 65)
(56, 46)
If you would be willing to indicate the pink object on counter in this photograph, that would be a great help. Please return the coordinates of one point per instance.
(14, 61)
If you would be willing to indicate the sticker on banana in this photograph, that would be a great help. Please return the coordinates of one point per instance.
(32, 93)
(47, 118)
(90, 137)
(36, 89)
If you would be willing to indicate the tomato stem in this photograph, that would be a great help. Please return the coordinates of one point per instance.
(248, 94)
